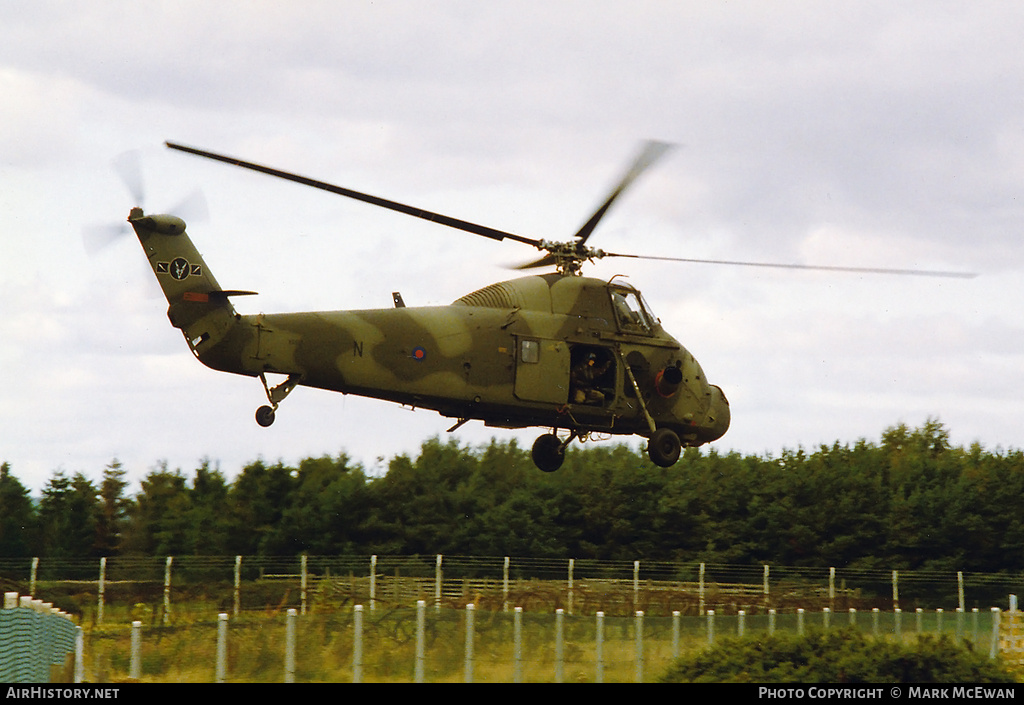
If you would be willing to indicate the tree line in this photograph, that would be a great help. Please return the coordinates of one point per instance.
(910, 501)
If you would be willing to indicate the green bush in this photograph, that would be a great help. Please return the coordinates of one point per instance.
(836, 656)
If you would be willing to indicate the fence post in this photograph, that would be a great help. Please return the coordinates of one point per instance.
(504, 586)
(167, 589)
(700, 591)
(919, 616)
(636, 584)
(289, 646)
(222, 647)
(79, 655)
(302, 582)
(741, 623)
(771, 621)
(639, 639)
(994, 648)
(238, 584)
(469, 644)
(517, 645)
(938, 620)
(559, 645)
(832, 587)
(135, 668)
(101, 589)
(800, 621)
(357, 645)
(895, 590)
(438, 579)
(767, 595)
(572, 565)
(711, 626)
(675, 633)
(599, 648)
(373, 581)
(960, 589)
(826, 618)
(897, 622)
(875, 616)
(32, 576)
(421, 638)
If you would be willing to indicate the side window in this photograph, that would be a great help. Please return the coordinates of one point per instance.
(630, 312)
(529, 351)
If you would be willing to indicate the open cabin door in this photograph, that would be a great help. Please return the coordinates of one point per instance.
(542, 370)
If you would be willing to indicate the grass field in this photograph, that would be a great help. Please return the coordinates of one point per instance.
(185, 650)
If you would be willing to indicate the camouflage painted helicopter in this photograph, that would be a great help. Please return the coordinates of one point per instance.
(573, 354)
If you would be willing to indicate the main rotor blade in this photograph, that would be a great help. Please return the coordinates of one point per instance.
(808, 267)
(466, 226)
(649, 154)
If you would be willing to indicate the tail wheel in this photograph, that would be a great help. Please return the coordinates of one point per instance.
(664, 447)
(265, 416)
(548, 452)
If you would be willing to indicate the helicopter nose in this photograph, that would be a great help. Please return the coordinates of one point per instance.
(717, 420)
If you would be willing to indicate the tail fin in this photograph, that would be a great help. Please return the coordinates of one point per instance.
(197, 304)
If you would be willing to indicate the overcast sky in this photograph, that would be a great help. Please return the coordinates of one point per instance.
(868, 134)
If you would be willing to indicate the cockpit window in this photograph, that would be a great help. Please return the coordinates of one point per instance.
(631, 312)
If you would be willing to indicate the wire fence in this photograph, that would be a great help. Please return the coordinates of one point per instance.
(157, 589)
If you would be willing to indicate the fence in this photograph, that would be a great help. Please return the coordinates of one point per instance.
(165, 585)
(447, 645)
(38, 642)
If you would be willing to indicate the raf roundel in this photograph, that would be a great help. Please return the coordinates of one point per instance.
(418, 353)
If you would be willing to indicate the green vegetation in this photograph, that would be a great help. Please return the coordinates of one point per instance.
(912, 501)
(836, 656)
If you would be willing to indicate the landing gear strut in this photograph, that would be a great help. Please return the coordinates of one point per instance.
(275, 395)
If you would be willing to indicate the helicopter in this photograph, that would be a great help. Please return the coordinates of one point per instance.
(578, 356)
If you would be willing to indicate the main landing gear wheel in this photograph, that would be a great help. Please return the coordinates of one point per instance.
(265, 416)
(664, 447)
(548, 452)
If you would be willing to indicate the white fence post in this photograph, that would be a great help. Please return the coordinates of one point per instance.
(559, 646)
(599, 648)
(32, 576)
(357, 645)
(994, 648)
(711, 626)
(289, 646)
(135, 668)
(167, 589)
(468, 668)
(101, 589)
(676, 615)
(222, 647)
(421, 638)
(517, 645)
(79, 655)
(638, 634)
(741, 623)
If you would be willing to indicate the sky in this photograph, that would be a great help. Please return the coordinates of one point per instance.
(872, 134)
